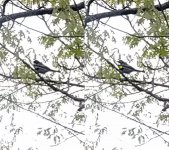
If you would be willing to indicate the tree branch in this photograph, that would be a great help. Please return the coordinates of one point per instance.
(132, 83)
(39, 80)
(54, 88)
(132, 80)
(37, 12)
(121, 12)
(4, 7)
(71, 130)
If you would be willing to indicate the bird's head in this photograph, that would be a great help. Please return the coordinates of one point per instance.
(121, 62)
(35, 61)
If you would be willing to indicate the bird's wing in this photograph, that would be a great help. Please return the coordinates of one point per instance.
(127, 66)
(42, 66)
(130, 67)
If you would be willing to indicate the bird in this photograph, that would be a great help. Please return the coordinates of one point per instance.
(125, 68)
(41, 68)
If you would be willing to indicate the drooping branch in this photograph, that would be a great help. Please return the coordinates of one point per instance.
(130, 11)
(4, 7)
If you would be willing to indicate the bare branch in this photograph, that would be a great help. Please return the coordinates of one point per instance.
(129, 81)
(4, 7)
(37, 12)
(42, 79)
(43, 117)
(130, 118)
(39, 80)
(115, 13)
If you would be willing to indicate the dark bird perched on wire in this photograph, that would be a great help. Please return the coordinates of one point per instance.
(41, 68)
(125, 68)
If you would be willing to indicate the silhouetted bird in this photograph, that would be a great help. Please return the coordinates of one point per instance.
(41, 68)
(125, 68)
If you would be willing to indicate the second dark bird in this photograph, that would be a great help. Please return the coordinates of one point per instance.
(125, 68)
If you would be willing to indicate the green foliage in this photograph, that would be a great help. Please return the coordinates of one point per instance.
(47, 41)
(10, 37)
(34, 93)
(157, 49)
(132, 41)
(24, 73)
(75, 48)
(3, 55)
(152, 53)
(102, 87)
(163, 118)
(138, 3)
(80, 117)
(108, 73)
(73, 22)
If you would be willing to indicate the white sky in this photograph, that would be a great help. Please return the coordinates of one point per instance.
(112, 121)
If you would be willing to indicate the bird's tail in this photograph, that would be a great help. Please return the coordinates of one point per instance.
(54, 70)
(140, 70)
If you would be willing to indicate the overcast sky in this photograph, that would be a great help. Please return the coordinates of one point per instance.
(112, 121)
